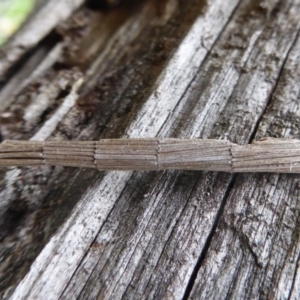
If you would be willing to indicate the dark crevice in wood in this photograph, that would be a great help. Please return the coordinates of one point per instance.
(133, 189)
(178, 179)
(46, 44)
(206, 247)
(270, 100)
(138, 68)
(109, 4)
(235, 281)
(101, 4)
(295, 237)
(177, 132)
(78, 266)
(270, 293)
(61, 296)
(290, 296)
(50, 214)
(13, 217)
(172, 233)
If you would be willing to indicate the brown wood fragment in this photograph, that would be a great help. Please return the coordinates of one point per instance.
(268, 155)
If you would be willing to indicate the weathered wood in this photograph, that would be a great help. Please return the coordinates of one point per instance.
(255, 249)
(35, 30)
(44, 211)
(171, 234)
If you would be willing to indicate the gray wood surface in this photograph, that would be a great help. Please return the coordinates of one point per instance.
(226, 70)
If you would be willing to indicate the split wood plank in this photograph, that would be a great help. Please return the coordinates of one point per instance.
(255, 250)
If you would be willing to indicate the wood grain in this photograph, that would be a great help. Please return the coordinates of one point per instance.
(195, 71)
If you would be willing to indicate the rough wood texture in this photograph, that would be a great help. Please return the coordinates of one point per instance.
(224, 70)
(38, 26)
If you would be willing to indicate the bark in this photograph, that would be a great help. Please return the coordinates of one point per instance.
(224, 70)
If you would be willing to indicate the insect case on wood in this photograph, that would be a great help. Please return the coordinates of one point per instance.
(266, 155)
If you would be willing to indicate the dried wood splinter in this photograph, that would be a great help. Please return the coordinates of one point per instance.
(267, 155)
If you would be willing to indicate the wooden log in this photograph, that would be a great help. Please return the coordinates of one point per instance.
(224, 70)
